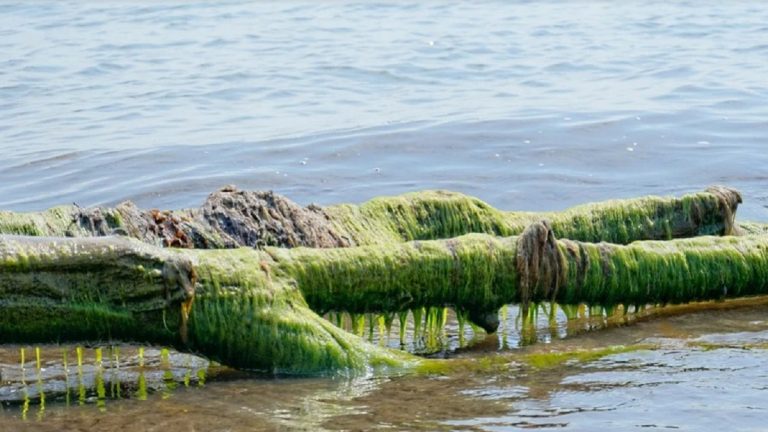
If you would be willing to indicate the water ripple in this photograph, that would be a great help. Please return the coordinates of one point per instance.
(534, 105)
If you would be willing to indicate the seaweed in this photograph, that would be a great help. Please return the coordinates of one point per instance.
(261, 308)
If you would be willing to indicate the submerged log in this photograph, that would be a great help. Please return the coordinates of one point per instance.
(478, 273)
(258, 308)
(220, 303)
(231, 218)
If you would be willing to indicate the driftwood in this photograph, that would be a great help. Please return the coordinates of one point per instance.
(259, 308)
(231, 218)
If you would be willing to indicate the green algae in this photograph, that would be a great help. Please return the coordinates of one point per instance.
(752, 228)
(438, 273)
(656, 272)
(261, 309)
(429, 215)
(86, 291)
(416, 216)
(56, 221)
(425, 215)
(245, 317)
(402, 317)
(524, 361)
(61, 221)
(552, 359)
(256, 309)
(473, 272)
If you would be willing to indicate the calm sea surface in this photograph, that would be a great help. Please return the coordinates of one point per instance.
(528, 105)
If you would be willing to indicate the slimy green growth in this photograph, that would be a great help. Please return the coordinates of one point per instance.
(261, 308)
(231, 218)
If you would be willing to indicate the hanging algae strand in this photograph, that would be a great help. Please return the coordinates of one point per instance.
(258, 309)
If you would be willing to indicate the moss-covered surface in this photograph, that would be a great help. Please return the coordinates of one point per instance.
(260, 308)
(256, 309)
(474, 272)
(91, 289)
(231, 218)
(428, 215)
(550, 359)
(751, 228)
(57, 221)
(223, 304)
(245, 317)
(657, 272)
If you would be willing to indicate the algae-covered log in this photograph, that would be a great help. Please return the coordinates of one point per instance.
(256, 308)
(230, 218)
(438, 214)
(218, 303)
(647, 272)
(58, 288)
(478, 273)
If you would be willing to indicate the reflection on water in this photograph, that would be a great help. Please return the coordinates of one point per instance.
(70, 375)
(675, 386)
(505, 382)
(528, 105)
(439, 332)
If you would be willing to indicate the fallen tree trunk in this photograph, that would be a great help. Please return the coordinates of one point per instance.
(256, 308)
(219, 303)
(231, 218)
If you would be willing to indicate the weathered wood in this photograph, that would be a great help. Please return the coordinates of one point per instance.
(232, 218)
(253, 309)
(258, 308)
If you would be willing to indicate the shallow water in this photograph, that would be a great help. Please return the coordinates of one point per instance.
(535, 105)
(528, 105)
(694, 371)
